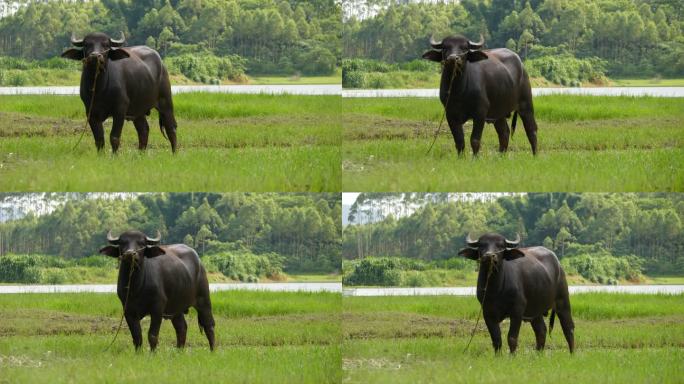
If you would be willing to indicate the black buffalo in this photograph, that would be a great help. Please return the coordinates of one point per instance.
(130, 82)
(524, 284)
(485, 86)
(165, 281)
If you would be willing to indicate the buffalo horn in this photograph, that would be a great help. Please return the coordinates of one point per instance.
(435, 44)
(153, 241)
(76, 42)
(112, 240)
(470, 242)
(513, 244)
(477, 45)
(118, 43)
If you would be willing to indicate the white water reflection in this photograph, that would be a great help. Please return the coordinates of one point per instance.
(110, 288)
(594, 91)
(289, 89)
(470, 291)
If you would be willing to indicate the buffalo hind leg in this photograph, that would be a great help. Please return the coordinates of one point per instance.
(503, 132)
(539, 328)
(530, 129)
(513, 332)
(476, 135)
(494, 333)
(136, 331)
(98, 133)
(565, 317)
(167, 122)
(181, 327)
(115, 135)
(153, 333)
(143, 131)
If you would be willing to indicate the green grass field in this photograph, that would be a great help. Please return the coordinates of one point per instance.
(261, 337)
(586, 143)
(227, 142)
(619, 338)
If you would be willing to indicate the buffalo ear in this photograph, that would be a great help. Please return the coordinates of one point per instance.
(512, 254)
(433, 55)
(73, 54)
(469, 253)
(153, 251)
(118, 54)
(110, 250)
(474, 56)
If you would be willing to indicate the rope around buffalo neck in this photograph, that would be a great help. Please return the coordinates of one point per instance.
(439, 127)
(484, 297)
(90, 109)
(128, 291)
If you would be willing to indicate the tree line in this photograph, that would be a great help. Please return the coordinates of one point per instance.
(632, 37)
(647, 226)
(274, 36)
(302, 229)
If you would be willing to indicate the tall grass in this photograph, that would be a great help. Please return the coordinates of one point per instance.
(261, 337)
(227, 142)
(586, 143)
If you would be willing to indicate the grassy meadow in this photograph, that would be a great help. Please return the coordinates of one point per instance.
(261, 337)
(619, 338)
(586, 143)
(226, 142)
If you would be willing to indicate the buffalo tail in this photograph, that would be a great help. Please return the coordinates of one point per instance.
(553, 317)
(515, 119)
(161, 127)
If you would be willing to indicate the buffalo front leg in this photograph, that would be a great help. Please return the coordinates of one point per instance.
(476, 136)
(153, 333)
(503, 132)
(181, 327)
(513, 332)
(136, 331)
(98, 133)
(494, 333)
(457, 132)
(143, 130)
(539, 328)
(115, 135)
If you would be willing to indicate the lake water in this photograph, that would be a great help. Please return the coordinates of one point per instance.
(337, 287)
(470, 291)
(336, 89)
(597, 91)
(290, 89)
(110, 288)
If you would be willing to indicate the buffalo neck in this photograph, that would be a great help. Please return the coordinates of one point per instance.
(137, 278)
(496, 279)
(88, 78)
(452, 87)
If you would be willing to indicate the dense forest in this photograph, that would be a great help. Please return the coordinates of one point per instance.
(298, 232)
(266, 36)
(635, 38)
(644, 227)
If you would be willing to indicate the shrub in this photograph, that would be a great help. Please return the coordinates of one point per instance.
(205, 68)
(604, 268)
(20, 269)
(568, 70)
(245, 266)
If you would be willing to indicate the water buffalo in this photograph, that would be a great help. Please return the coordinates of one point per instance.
(130, 82)
(524, 283)
(165, 280)
(485, 86)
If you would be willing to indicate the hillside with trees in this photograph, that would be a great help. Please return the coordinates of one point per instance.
(244, 236)
(602, 237)
(208, 40)
(564, 41)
